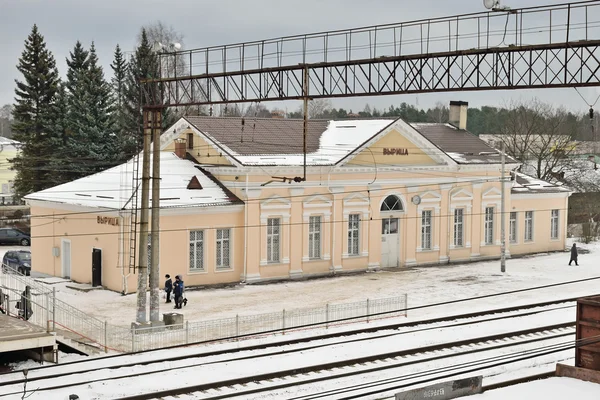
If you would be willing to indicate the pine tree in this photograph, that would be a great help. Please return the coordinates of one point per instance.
(78, 62)
(58, 126)
(91, 120)
(119, 86)
(34, 97)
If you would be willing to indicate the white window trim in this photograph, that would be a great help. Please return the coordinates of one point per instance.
(468, 207)
(280, 240)
(325, 214)
(231, 252)
(420, 248)
(516, 241)
(557, 238)
(203, 271)
(463, 226)
(346, 253)
(321, 255)
(532, 240)
(497, 206)
(363, 233)
(435, 213)
(284, 232)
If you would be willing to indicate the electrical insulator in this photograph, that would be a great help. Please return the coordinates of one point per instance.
(591, 113)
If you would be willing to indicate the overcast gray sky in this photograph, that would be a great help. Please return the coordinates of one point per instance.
(203, 23)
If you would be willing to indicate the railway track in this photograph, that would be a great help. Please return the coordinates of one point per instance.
(154, 356)
(45, 383)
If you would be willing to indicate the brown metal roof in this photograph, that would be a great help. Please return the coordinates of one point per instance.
(261, 135)
(459, 144)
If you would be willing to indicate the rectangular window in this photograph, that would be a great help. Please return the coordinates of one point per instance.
(190, 141)
(426, 230)
(528, 226)
(512, 228)
(489, 225)
(273, 239)
(458, 227)
(196, 251)
(223, 248)
(314, 237)
(353, 234)
(554, 225)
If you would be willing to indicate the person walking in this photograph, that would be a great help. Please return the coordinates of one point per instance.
(168, 287)
(573, 255)
(178, 291)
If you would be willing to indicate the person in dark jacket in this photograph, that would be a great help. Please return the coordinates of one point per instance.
(573, 255)
(178, 291)
(168, 287)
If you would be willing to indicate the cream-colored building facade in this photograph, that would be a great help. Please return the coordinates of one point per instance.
(377, 194)
(8, 150)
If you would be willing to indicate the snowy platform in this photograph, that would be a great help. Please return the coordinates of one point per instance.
(52, 280)
(546, 389)
(19, 335)
(83, 287)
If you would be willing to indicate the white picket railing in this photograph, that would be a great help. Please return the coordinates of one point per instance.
(53, 314)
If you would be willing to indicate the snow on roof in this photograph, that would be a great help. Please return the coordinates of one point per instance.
(339, 139)
(528, 184)
(112, 188)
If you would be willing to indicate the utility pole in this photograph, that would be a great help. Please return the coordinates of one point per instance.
(154, 259)
(502, 216)
(142, 283)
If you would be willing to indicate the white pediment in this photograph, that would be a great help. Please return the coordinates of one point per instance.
(462, 195)
(318, 201)
(430, 196)
(356, 199)
(491, 193)
(275, 202)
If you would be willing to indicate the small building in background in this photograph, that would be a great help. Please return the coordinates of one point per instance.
(8, 150)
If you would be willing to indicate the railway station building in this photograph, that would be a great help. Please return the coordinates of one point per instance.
(378, 193)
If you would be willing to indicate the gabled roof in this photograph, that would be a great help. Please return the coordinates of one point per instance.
(276, 141)
(461, 145)
(112, 188)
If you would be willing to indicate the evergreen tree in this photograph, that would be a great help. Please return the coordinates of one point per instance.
(77, 62)
(34, 97)
(58, 126)
(119, 93)
(91, 120)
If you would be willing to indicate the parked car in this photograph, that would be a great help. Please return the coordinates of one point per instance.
(19, 260)
(14, 236)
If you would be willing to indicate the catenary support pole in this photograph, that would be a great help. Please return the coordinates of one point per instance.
(142, 283)
(155, 227)
(502, 215)
(305, 117)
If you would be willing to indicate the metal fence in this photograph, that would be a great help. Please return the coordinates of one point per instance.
(56, 315)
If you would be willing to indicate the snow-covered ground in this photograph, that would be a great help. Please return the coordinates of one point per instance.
(547, 389)
(424, 285)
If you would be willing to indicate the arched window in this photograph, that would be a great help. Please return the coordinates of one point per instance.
(392, 203)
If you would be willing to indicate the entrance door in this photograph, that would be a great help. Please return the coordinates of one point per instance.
(66, 258)
(390, 249)
(96, 267)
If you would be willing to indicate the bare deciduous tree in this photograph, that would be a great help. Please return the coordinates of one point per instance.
(317, 108)
(535, 133)
(440, 113)
(6, 120)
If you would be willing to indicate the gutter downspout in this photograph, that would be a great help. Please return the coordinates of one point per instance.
(451, 225)
(246, 232)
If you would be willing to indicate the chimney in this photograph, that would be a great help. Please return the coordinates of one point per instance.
(458, 114)
(180, 150)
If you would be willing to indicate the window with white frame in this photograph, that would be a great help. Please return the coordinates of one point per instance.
(528, 226)
(512, 227)
(426, 230)
(314, 237)
(353, 234)
(459, 216)
(554, 225)
(196, 251)
(223, 248)
(489, 225)
(273, 239)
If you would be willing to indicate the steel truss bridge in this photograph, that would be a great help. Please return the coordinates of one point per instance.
(538, 47)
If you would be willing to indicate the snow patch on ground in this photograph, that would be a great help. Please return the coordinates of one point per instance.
(547, 389)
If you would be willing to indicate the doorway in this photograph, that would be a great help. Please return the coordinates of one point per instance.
(96, 267)
(66, 258)
(390, 254)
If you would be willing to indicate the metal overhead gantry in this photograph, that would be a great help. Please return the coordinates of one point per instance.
(538, 47)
